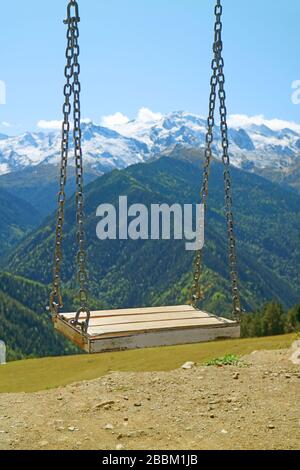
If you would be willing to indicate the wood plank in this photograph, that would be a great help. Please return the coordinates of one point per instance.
(133, 311)
(72, 333)
(164, 338)
(150, 317)
(159, 325)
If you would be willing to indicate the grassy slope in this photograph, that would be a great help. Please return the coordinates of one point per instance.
(42, 374)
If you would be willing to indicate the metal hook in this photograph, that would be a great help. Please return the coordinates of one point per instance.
(85, 324)
(75, 17)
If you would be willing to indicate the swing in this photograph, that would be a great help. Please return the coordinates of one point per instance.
(109, 330)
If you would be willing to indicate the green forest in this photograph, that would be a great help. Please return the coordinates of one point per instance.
(143, 273)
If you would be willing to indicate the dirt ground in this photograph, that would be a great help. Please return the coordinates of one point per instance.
(250, 407)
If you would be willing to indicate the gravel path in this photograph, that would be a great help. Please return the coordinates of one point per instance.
(253, 407)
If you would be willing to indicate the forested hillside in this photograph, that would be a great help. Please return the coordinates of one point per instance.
(17, 218)
(132, 273)
(25, 325)
(38, 186)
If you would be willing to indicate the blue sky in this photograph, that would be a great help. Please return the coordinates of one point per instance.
(148, 53)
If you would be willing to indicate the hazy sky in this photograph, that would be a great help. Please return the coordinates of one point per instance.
(148, 53)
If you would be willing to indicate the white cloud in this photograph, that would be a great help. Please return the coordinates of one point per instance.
(146, 115)
(112, 120)
(53, 125)
(86, 121)
(119, 119)
(6, 124)
(242, 120)
(56, 125)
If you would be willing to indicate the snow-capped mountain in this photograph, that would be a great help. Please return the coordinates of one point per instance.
(254, 145)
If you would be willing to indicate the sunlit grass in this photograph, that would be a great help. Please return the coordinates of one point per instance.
(47, 373)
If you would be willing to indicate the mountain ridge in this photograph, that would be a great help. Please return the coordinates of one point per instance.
(274, 153)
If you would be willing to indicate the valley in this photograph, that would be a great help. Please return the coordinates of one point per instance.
(267, 226)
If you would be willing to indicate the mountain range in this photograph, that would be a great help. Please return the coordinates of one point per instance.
(153, 160)
(272, 151)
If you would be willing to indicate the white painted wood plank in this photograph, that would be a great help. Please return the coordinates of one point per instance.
(134, 311)
(164, 338)
(159, 325)
(150, 317)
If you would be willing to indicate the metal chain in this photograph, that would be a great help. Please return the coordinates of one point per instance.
(197, 293)
(72, 86)
(226, 161)
(218, 79)
(81, 255)
(56, 302)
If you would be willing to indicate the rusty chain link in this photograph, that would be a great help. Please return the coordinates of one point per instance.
(72, 87)
(218, 79)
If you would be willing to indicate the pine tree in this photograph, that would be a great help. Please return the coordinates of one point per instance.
(273, 319)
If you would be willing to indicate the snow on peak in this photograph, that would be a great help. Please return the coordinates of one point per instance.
(255, 142)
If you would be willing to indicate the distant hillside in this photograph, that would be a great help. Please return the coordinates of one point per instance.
(17, 218)
(38, 186)
(25, 325)
(130, 273)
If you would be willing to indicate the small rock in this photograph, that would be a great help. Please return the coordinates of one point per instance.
(296, 345)
(271, 426)
(212, 416)
(105, 404)
(188, 365)
(43, 443)
(224, 431)
(138, 404)
(59, 398)
(108, 427)
(71, 428)
(119, 447)
(295, 357)
(287, 376)
(236, 376)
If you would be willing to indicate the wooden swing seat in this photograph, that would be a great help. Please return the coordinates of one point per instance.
(113, 330)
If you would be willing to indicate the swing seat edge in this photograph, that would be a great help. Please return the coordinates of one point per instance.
(126, 329)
